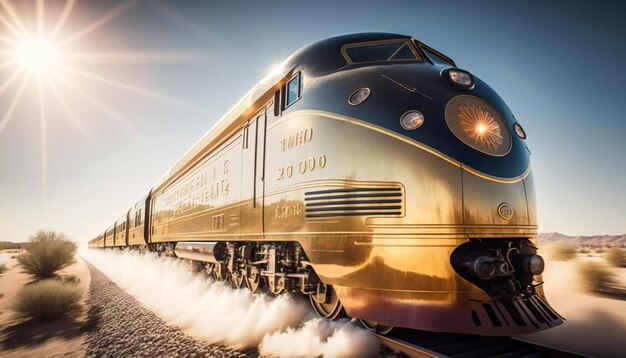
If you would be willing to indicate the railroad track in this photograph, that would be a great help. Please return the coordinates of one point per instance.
(431, 344)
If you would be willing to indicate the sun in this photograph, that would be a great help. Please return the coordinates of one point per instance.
(36, 55)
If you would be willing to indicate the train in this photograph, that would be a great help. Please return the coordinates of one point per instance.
(373, 175)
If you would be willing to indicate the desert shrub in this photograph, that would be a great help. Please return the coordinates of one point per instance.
(583, 250)
(46, 300)
(596, 276)
(616, 257)
(46, 253)
(562, 251)
(3, 268)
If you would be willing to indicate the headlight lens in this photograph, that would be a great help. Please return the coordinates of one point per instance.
(412, 120)
(460, 78)
(478, 125)
(519, 130)
(535, 265)
(359, 96)
(483, 268)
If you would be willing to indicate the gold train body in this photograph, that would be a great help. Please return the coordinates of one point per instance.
(324, 200)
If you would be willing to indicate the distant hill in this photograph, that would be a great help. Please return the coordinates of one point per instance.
(598, 240)
(10, 245)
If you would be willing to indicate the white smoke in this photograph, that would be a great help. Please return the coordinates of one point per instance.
(283, 326)
(5, 258)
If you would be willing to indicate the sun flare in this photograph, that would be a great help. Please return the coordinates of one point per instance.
(41, 62)
(35, 54)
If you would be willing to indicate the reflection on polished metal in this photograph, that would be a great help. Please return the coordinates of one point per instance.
(340, 203)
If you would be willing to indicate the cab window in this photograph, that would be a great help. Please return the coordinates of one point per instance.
(396, 50)
(293, 90)
(437, 58)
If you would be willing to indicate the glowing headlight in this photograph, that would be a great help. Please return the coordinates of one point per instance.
(478, 125)
(412, 120)
(519, 130)
(359, 96)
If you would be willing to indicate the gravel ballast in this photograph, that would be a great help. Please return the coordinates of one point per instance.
(119, 326)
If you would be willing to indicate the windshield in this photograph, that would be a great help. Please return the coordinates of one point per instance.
(398, 50)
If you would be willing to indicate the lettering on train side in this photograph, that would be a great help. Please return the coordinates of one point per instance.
(304, 166)
(288, 212)
(299, 138)
(200, 190)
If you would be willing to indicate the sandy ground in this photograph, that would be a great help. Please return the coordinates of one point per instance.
(20, 338)
(596, 324)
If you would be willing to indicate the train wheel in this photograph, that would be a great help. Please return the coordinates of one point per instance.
(376, 327)
(236, 280)
(254, 280)
(219, 273)
(331, 307)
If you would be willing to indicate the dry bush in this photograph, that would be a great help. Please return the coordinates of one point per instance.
(562, 251)
(3, 268)
(46, 253)
(616, 257)
(46, 300)
(597, 277)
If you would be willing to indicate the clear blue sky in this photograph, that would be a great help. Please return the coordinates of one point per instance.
(558, 65)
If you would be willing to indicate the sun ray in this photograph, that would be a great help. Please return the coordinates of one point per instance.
(44, 142)
(16, 19)
(9, 41)
(10, 26)
(40, 17)
(14, 103)
(110, 15)
(104, 108)
(5, 64)
(129, 88)
(69, 111)
(137, 57)
(67, 10)
(9, 80)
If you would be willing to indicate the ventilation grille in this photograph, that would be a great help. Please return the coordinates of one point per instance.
(386, 201)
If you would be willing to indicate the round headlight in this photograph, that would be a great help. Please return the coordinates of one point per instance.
(477, 124)
(412, 120)
(483, 268)
(461, 78)
(359, 96)
(519, 130)
(535, 265)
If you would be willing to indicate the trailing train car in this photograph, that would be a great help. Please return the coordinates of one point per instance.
(137, 224)
(109, 236)
(372, 174)
(120, 232)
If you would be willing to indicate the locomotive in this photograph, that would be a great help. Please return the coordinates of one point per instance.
(371, 174)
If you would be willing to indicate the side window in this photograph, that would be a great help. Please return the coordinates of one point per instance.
(293, 90)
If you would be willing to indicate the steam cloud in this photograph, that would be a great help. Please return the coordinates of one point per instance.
(214, 312)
